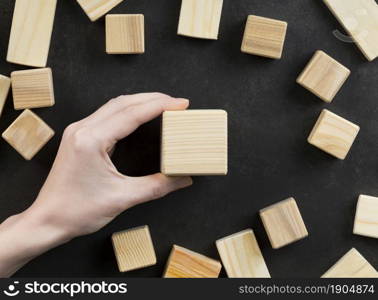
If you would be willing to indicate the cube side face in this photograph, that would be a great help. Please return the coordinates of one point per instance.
(5, 84)
(366, 219)
(95, 9)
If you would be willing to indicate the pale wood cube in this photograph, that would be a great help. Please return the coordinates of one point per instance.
(333, 134)
(366, 220)
(283, 223)
(184, 263)
(194, 142)
(28, 134)
(134, 249)
(5, 83)
(95, 9)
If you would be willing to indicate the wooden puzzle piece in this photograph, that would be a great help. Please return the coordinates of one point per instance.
(134, 249)
(366, 220)
(95, 9)
(5, 83)
(241, 256)
(30, 35)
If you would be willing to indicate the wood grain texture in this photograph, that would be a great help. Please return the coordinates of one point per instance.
(30, 35)
(5, 83)
(351, 265)
(264, 37)
(360, 20)
(241, 256)
(366, 219)
(200, 18)
(32, 88)
(184, 263)
(283, 223)
(28, 134)
(194, 142)
(95, 9)
(333, 134)
(124, 34)
(323, 76)
(134, 249)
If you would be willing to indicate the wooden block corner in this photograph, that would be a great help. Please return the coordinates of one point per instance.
(366, 218)
(95, 9)
(5, 83)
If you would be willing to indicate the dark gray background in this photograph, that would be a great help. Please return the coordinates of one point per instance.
(270, 117)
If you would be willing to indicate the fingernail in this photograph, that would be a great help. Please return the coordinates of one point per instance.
(183, 100)
(184, 181)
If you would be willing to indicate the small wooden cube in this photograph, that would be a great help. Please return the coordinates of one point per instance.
(28, 134)
(5, 83)
(95, 9)
(283, 223)
(366, 220)
(194, 142)
(200, 18)
(241, 256)
(134, 249)
(323, 76)
(184, 263)
(264, 37)
(124, 34)
(333, 134)
(32, 88)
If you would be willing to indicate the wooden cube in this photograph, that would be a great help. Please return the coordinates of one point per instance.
(366, 220)
(124, 34)
(28, 134)
(241, 256)
(333, 134)
(133, 249)
(200, 18)
(323, 76)
(5, 83)
(194, 142)
(95, 9)
(264, 37)
(184, 263)
(283, 223)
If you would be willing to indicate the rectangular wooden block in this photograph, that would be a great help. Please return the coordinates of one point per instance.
(5, 83)
(366, 220)
(184, 263)
(28, 134)
(124, 34)
(264, 37)
(283, 223)
(32, 88)
(30, 35)
(241, 256)
(134, 249)
(95, 9)
(194, 142)
(333, 134)
(200, 18)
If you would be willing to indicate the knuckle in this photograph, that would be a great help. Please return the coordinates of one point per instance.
(81, 139)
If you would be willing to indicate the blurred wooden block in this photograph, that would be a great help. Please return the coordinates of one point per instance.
(134, 249)
(333, 134)
(351, 265)
(264, 37)
(184, 263)
(194, 142)
(283, 223)
(200, 18)
(360, 20)
(95, 9)
(323, 76)
(30, 35)
(241, 256)
(28, 134)
(124, 34)
(5, 83)
(32, 88)
(366, 220)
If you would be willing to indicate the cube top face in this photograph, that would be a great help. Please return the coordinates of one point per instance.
(134, 249)
(125, 34)
(194, 142)
(264, 37)
(323, 76)
(5, 83)
(200, 18)
(95, 9)
(366, 220)
(28, 134)
(333, 134)
(283, 223)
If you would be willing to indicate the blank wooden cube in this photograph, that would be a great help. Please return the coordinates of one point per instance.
(184, 263)
(333, 134)
(124, 34)
(366, 220)
(264, 37)
(283, 223)
(134, 249)
(32, 88)
(5, 83)
(241, 256)
(95, 9)
(194, 142)
(323, 76)
(28, 134)
(200, 18)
